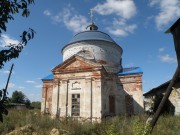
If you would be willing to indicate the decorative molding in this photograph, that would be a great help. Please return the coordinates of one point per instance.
(76, 86)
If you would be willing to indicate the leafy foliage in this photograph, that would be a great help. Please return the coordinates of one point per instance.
(18, 97)
(8, 8)
(36, 105)
(3, 101)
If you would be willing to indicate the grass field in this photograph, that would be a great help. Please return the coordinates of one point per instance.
(121, 125)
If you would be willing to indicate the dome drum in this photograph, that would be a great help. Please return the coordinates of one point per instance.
(106, 53)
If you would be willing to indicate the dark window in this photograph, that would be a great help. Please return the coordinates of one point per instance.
(75, 110)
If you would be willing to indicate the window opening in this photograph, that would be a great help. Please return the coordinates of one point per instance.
(75, 110)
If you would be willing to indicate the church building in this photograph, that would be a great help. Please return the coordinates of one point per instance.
(90, 82)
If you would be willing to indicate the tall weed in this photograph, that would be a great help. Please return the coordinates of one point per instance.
(120, 125)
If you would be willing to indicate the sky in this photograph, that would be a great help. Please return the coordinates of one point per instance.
(137, 26)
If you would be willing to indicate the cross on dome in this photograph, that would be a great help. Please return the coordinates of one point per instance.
(92, 26)
(91, 15)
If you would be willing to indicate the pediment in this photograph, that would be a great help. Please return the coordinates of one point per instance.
(76, 63)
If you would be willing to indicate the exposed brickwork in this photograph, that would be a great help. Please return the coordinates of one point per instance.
(47, 95)
(132, 85)
(86, 78)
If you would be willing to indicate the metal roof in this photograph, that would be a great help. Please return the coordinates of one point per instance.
(164, 85)
(48, 78)
(131, 70)
(91, 35)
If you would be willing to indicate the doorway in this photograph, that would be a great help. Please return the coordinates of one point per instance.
(112, 105)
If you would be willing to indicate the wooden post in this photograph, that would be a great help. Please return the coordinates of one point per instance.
(5, 91)
(163, 101)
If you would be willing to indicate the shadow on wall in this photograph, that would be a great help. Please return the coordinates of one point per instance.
(168, 108)
(125, 94)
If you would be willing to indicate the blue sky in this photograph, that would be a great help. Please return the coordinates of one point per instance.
(137, 26)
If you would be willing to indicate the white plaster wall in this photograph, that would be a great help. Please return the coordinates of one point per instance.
(84, 90)
(111, 86)
(97, 102)
(138, 100)
(43, 105)
(103, 51)
(62, 98)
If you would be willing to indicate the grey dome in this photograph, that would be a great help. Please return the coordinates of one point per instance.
(95, 45)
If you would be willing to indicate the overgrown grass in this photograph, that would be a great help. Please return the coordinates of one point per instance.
(121, 125)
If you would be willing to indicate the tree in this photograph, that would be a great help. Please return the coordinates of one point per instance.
(20, 97)
(8, 8)
(36, 104)
(27, 103)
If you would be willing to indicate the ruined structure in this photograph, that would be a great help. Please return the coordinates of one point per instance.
(90, 82)
(154, 96)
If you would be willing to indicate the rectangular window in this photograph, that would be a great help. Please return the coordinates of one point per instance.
(75, 109)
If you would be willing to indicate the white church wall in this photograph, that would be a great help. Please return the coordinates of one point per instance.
(106, 53)
(111, 87)
(102, 87)
(97, 111)
(132, 85)
(82, 84)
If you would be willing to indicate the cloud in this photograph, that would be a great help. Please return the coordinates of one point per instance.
(169, 10)
(121, 28)
(11, 85)
(5, 71)
(56, 18)
(6, 40)
(75, 23)
(47, 13)
(123, 8)
(72, 20)
(38, 86)
(34, 97)
(167, 59)
(161, 49)
(127, 65)
(21, 88)
(148, 19)
(30, 81)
